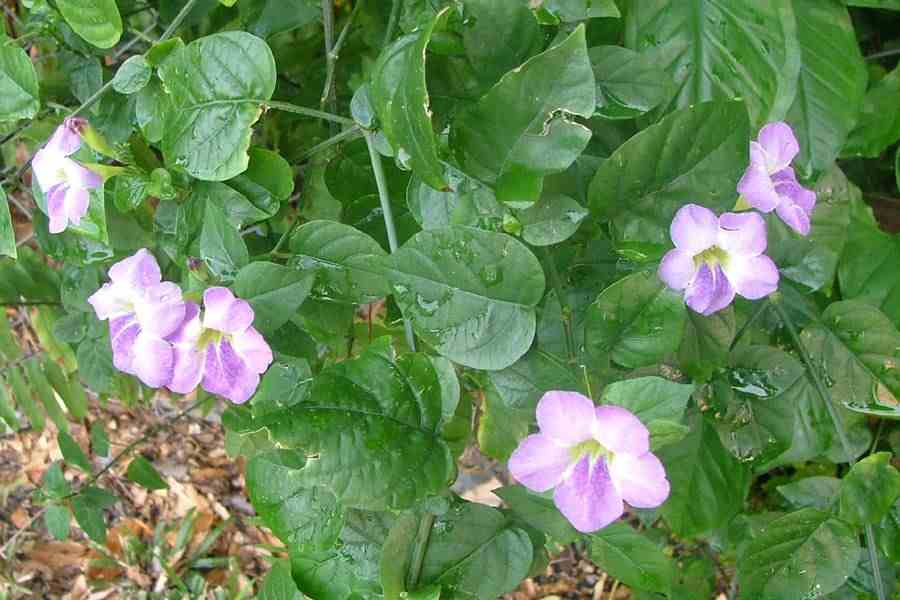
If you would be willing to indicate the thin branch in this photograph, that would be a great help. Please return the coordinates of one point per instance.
(883, 54)
(178, 20)
(556, 282)
(347, 134)
(309, 112)
(392, 22)
(331, 58)
(421, 544)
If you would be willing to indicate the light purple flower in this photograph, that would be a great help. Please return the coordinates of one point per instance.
(142, 310)
(221, 350)
(714, 258)
(769, 183)
(65, 183)
(597, 458)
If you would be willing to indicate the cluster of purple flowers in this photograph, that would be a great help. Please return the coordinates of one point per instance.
(166, 342)
(717, 257)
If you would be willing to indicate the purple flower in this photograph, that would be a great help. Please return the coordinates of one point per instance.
(714, 258)
(142, 310)
(222, 350)
(66, 184)
(769, 183)
(597, 457)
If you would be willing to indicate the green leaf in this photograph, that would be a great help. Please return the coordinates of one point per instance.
(209, 133)
(520, 130)
(151, 109)
(831, 84)
(307, 519)
(93, 224)
(132, 76)
(400, 97)
(878, 122)
(869, 490)
(96, 21)
(470, 294)
(498, 37)
(265, 18)
(551, 220)
(577, 10)
(99, 440)
(883, 4)
(538, 511)
(220, 244)
(858, 349)
(887, 534)
(345, 259)
(799, 552)
(274, 291)
(811, 492)
(88, 507)
(57, 521)
(284, 384)
(628, 83)
(475, 552)
(395, 454)
(717, 49)
(706, 343)
(468, 202)
(54, 483)
(278, 584)
(696, 154)
(635, 322)
(708, 483)
(658, 403)
(7, 233)
(19, 94)
(72, 452)
(141, 471)
(631, 558)
(272, 172)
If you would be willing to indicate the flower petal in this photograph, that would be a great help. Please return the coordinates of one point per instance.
(56, 208)
(224, 312)
(123, 332)
(694, 228)
(699, 293)
(253, 349)
(82, 177)
(76, 204)
(753, 277)
(66, 139)
(188, 332)
(539, 462)
(187, 369)
(161, 309)
(48, 168)
(780, 145)
(566, 417)
(757, 188)
(225, 374)
(677, 269)
(137, 272)
(723, 293)
(794, 217)
(619, 430)
(641, 480)
(588, 498)
(742, 233)
(154, 366)
(107, 302)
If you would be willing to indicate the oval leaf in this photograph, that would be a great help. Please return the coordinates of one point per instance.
(97, 21)
(19, 84)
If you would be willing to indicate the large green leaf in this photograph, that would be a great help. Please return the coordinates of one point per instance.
(628, 83)
(869, 490)
(218, 84)
(708, 483)
(803, 551)
(631, 558)
(7, 233)
(720, 49)
(858, 349)
(554, 218)
(274, 291)
(706, 342)
(878, 125)
(697, 155)
(307, 519)
(470, 294)
(372, 426)
(97, 21)
(278, 584)
(220, 244)
(400, 98)
(19, 97)
(498, 37)
(635, 322)
(468, 202)
(831, 85)
(520, 130)
(658, 403)
(344, 258)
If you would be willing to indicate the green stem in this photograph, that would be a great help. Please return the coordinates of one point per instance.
(388, 215)
(332, 54)
(884, 54)
(309, 112)
(418, 555)
(284, 237)
(178, 20)
(556, 282)
(392, 22)
(347, 134)
(760, 310)
(825, 396)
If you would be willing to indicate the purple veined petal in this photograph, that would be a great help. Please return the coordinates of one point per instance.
(677, 269)
(223, 312)
(742, 233)
(66, 139)
(694, 228)
(723, 292)
(123, 332)
(161, 309)
(699, 293)
(567, 417)
(49, 169)
(753, 277)
(794, 217)
(138, 271)
(619, 430)
(780, 145)
(189, 331)
(56, 208)
(154, 360)
(641, 480)
(187, 369)
(539, 463)
(588, 498)
(76, 202)
(253, 349)
(225, 374)
(83, 177)
(757, 188)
